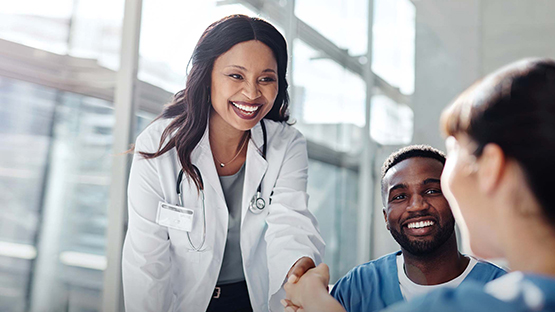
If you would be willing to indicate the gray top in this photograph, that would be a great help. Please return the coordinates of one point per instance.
(232, 265)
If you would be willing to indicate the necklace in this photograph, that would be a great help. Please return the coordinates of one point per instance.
(222, 164)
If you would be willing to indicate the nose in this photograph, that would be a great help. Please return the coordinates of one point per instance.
(251, 91)
(417, 203)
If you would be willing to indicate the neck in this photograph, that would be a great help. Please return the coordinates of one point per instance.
(437, 267)
(530, 247)
(227, 145)
(222, 135)
(525, 234)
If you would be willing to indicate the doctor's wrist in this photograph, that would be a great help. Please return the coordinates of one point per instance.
(299, 268)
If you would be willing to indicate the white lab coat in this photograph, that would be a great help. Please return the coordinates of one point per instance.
(161, 272)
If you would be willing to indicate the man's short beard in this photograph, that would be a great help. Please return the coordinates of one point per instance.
(419, 247)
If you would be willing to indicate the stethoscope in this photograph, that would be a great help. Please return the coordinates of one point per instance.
(256, 205)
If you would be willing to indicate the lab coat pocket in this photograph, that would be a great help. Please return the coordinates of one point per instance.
(193, 240)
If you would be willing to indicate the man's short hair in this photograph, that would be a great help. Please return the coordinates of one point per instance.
(409, 152)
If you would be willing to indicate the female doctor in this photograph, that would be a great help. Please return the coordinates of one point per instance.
(218, 216)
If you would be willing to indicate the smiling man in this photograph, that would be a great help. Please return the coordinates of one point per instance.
(420, 220)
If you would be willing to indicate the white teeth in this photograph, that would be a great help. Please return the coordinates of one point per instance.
(247, 108)
(421, 224)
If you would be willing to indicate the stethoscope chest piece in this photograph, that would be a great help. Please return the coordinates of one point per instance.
(257, 203)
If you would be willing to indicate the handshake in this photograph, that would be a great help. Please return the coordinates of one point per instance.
(310, 292)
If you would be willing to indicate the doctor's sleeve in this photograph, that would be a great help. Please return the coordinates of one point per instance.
(292, 230)
(146, 255)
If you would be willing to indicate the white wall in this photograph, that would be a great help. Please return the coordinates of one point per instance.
(459, 41)
(516, 29)
(447, 60)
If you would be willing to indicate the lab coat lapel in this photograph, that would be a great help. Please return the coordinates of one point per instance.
(255, 168)
(202, 158)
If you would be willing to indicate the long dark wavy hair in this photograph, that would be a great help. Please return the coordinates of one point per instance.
(190, 107)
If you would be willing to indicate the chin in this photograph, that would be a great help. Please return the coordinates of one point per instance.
(245, 125)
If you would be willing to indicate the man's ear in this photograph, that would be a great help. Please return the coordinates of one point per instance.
(491, 165)
(385, 218)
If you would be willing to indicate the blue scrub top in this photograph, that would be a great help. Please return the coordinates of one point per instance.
(374, 286)
(510, 293)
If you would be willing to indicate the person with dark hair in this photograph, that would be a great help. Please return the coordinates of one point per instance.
(497, 178)
(420, 220)
(218, 216)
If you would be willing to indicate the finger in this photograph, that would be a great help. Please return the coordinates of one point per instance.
(299, 268)
(288, 290)
(322, 269)
(288, 304)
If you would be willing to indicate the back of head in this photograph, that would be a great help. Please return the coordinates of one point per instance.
(515, 109)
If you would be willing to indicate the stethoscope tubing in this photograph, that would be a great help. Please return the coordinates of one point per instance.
(256, 205)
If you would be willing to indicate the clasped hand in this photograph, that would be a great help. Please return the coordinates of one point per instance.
(311, 287)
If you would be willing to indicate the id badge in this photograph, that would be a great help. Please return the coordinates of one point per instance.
(175, 217)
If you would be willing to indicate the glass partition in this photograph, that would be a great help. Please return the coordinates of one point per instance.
(169, 34)
(328, 100)
(333, 200)
(344, 22)
(55, 178)
(394, 37)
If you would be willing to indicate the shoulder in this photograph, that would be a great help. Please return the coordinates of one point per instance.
(149, 139)
(285, 139)
(368, 272)
(486, 270)
(486, 265)
(371, 286)
(375, 266)
(281, 130)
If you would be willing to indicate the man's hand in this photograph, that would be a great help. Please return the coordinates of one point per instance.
(299, 268)
(288, 306)
(310, 291)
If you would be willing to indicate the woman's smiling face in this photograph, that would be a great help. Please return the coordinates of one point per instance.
(244, 84)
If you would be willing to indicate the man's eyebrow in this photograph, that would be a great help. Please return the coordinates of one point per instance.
(431, 180)
(397, 186)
